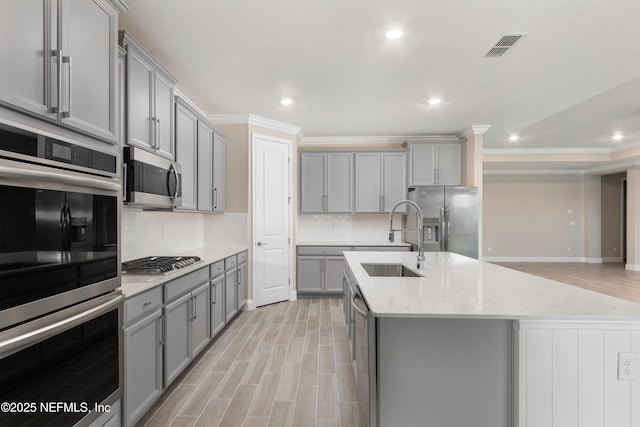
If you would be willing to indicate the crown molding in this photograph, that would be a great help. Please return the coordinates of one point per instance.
(475, 130)
(251, 119)
(374, 140)
(577, 150)
(121, 5)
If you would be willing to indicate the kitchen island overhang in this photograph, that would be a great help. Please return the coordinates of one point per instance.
(471, 343)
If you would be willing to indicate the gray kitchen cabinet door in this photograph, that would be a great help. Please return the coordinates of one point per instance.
(310, 274)
(218, 172)
(312, 182)
(28, 71)
(164, 115)
(231, 294)
(242, 285)
(394, 180)
(218, 318)
(205, 160)
(333, 274)
(142, 366)
(177, 348)
(89, 39)
(140, 80)
(339, 182)
(199, 326)
(368, 192)
(186, 153)
(422, 164)
(448, 164)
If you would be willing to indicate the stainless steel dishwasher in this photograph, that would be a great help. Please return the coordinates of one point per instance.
(365, 359)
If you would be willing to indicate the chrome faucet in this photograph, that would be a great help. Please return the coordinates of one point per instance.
(418, 228)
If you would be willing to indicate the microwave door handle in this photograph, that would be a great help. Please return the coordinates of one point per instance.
(173, 170)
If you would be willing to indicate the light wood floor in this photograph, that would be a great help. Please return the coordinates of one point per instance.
(281, 365)
(609, 278)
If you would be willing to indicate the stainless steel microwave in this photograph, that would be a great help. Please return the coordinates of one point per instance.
(150, 181)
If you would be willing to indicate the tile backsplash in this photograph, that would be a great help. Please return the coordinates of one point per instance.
(335, 227)
(146, 233)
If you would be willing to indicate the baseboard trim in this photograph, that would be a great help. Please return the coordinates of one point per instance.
(293, 296)
(537, 259)
(632, 267)
(250, 305)
(612, 259)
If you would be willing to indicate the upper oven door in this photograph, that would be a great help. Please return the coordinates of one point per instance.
(58, 239)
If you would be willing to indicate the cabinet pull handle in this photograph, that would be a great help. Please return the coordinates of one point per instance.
(213, 293)
(146, 303)
(157, 133)
(160, 331)
(195, 312)
(58, 54)
(67, 113)
(215, 198)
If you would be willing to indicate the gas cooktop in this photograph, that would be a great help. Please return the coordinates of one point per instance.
(158, 264)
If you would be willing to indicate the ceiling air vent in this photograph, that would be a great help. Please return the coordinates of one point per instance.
(504, 44)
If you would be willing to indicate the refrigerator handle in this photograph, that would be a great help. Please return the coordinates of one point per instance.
(441, 229)
(447, 224)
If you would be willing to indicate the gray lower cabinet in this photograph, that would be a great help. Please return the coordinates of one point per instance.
(186, 330)
(142, 366)
(218, 317)
(320, 268)
(242, 285)
(231, 293)
(143, 353)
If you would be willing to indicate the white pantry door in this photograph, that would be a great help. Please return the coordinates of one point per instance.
(271, 220)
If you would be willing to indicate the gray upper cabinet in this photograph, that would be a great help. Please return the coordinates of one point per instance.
(59, 62)
(380, 181)
(186, 153)
(210, 168)
(326, 182)
(434, 163)
(218, 171)
(205, 169)
(149, 101)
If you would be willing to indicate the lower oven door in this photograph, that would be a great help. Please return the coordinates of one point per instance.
(62, 369)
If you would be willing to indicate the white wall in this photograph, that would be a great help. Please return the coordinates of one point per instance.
(530, 217)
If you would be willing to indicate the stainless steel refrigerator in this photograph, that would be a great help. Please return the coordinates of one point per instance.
(450, 219)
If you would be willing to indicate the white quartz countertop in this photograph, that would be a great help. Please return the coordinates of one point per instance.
(351, 243)
(455, 286)
(133, 284)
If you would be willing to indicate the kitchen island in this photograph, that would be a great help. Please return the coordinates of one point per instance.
(471, 343)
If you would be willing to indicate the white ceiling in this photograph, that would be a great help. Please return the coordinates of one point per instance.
(571, 82)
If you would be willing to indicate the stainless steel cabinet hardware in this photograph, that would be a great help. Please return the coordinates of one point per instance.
(67, 113)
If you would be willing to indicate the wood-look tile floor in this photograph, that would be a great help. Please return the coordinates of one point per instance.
(285, 364)
(608, 278)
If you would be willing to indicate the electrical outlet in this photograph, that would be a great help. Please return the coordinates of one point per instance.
(627, 367)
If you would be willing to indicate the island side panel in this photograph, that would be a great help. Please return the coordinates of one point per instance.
(445, 372)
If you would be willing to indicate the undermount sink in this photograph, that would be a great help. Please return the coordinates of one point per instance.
(389, 270)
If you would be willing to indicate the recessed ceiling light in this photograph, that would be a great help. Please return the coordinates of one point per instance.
(617, 136)
(434, 101)
(394, 34)
(513, 137)
(286, 101)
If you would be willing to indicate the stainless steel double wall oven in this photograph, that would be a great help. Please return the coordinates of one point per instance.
(60, 310)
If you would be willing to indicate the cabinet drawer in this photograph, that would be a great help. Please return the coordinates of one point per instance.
(217, 268)
(230, 262)
(323, 250)
(184, 284)
(242, 257)
(142, 303)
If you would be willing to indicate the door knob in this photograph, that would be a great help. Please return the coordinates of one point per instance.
(261, 243)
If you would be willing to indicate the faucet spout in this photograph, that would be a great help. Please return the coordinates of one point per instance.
(419, 230)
